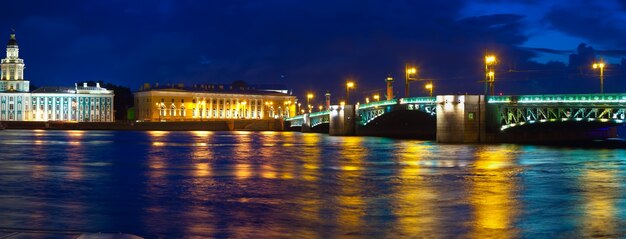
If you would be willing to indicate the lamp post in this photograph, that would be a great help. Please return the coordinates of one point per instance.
(429, 87)
(600, 65)
(490, 62)
(411, 74)
(309, 96)
(349, 85)
(299, 106)
(376, 97)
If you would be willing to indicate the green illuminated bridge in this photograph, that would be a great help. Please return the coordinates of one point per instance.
(475, 118)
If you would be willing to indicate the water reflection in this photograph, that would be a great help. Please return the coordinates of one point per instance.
(600, 192)
(415, 195)
(350, 198)
(285, 184)
(493, 191)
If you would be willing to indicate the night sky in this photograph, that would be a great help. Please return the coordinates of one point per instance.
(544, 46)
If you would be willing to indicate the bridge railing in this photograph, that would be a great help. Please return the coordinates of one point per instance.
(297, 117)
(377, 104)
(419, 100)
(319, 113)
(561, 98)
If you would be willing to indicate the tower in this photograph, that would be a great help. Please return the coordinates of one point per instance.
(12, 68)
(327, 100)
(389, 81)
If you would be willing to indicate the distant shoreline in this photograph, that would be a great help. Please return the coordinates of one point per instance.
(209, 125)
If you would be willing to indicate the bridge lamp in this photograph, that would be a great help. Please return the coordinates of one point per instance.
(490, 62)
(411, 74)
(367, 100)
(320, 107)
(429, 87)
(349, 85)
(376, 97)
(309, 96)
(600, 66)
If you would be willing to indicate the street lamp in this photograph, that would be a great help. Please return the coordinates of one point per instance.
(490, 62)
(376, 97)
(411, 74)
(429, 87)
(349, 85)
(309, 96)
(600, 65)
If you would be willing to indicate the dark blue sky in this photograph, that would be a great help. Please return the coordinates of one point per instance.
(317, 45)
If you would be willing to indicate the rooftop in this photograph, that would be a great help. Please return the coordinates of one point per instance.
(219, 88)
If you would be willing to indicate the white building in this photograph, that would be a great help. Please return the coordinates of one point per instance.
(79, 103)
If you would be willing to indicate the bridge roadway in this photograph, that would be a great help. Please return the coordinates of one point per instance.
(475, 118)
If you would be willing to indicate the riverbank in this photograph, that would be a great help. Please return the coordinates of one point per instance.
(211, 125)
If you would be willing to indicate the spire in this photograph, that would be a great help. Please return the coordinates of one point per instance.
(12, 40)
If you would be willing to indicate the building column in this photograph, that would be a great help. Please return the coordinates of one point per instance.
(210, 113)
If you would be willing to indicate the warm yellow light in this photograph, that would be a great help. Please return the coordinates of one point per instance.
(490, 59)
(491, 73)
(389, 78)
(309, 96)
(243, 103)
(429, 86)
(598, 65)
(411, 70)
(350, 84)
(320, 107)
(376, 97)
(342, 103)
(367, 100)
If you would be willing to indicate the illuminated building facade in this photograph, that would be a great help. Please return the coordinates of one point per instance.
(79, 103)
(204, 102)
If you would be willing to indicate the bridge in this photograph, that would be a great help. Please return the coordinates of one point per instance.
(475, 118)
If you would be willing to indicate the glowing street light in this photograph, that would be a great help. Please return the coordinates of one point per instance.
(411, 75)
(376, 97)
(309, 96)
(490, 62)
(600, 65)
(349, 85)
(429, 87)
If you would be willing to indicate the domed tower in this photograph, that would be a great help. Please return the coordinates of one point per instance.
(12, 78)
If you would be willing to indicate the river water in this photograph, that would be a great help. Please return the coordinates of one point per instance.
(286, 184)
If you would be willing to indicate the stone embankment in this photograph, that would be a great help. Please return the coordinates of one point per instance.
(211, 125)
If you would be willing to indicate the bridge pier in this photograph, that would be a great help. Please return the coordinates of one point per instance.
(342, 120)
(461, 119)
(306, 125)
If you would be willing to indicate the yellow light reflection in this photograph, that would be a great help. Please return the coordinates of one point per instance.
(600, 192)
(75, 133)
(243, 171)
(158, 144)
(202, 133)
(202, 169)
(351, 205)
(493, 193)
(158, 133)
(414, 195)
(267, 171)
